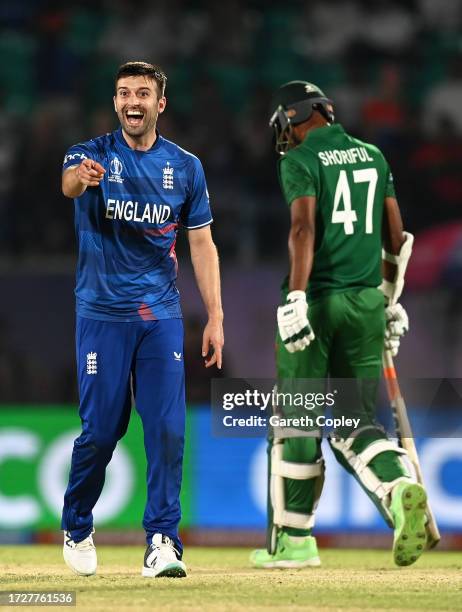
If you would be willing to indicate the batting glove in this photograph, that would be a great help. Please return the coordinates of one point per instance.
(397, 324)
(293, 324)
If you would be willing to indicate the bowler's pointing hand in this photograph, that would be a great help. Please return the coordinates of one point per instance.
(90, 173)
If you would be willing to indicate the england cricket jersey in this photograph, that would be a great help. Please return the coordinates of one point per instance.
(126, 228)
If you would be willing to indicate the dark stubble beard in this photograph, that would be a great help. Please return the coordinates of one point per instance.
(134, 132)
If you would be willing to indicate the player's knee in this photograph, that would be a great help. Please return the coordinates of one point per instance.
(98, 442)
(173, 433)
(105, 443)
(171, 437)
(302, 450)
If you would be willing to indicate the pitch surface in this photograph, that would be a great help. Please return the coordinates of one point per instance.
(220, 579)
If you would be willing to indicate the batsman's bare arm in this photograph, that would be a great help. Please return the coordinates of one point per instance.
(77, 178)
(204, 257)
(301, 241)
(392, 235)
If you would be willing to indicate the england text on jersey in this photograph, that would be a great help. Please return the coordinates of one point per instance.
(133, 211)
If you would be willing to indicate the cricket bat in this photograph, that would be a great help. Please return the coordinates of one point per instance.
(405, 437)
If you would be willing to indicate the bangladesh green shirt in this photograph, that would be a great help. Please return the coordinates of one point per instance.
(350, 180)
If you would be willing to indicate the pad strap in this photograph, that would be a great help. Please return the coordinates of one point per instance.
(352, 439)
(360, 464)
(281, 469)
(296, 471)
(371, 451)
(383, 489)
(294, 519)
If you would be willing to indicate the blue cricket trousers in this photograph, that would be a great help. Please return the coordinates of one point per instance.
(109, 356)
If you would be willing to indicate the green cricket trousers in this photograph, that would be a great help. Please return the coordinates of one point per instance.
(349, 329)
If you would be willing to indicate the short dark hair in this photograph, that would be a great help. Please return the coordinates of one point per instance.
(143, 69)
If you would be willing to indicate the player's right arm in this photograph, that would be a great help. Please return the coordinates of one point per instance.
(397, 251)
(300, 193)
(393, 235)
(301, 241)
(76, 179)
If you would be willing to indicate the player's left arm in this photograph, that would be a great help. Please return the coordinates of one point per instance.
(204, 257)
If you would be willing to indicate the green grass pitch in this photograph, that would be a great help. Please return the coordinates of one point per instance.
(221, 579)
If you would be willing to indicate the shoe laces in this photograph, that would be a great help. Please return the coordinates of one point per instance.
(86, 544)
(163, 548)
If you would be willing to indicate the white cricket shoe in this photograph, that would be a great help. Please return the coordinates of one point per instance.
(161, 559)
(80, 557)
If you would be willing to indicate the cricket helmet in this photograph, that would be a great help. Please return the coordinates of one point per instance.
(292, 104)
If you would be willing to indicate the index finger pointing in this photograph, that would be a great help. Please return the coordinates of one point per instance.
(98, 167)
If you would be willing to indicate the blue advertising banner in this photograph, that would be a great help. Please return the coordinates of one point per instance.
(229, 476)
(224, 483)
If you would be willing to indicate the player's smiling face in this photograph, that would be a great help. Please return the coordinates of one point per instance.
(137, 104)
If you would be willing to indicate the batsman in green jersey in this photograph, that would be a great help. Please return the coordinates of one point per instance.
(339, 311)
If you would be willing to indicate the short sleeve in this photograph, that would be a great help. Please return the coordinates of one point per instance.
(390, 186)
(196, 211)
(296, 180)
(77, 153)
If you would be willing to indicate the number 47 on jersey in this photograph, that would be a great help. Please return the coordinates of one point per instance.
(348, 216)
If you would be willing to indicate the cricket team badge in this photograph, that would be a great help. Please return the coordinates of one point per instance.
(92, 364)
(167, 177)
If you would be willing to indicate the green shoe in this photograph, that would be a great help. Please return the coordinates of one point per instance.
(290, 552)
(408, 507)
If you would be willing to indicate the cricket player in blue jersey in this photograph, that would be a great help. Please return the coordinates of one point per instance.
(132, 189)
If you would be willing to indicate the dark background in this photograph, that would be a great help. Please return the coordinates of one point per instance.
(394, 70)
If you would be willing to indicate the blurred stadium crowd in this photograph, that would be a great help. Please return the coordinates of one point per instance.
(393, 68)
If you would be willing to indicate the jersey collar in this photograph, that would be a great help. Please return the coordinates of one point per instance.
(121, 140)
(325, 130)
